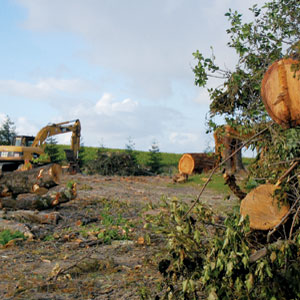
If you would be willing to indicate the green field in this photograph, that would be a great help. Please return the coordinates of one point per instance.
(169, 160)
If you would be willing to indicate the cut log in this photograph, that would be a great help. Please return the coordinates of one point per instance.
(280, 93)
(13, 226)
(264, 210)
(32, 201)
(27, 181)
(31, 216)
(196, 163)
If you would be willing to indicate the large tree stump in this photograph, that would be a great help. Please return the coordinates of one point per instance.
(196, 163)
(31, 180)
(280, 91)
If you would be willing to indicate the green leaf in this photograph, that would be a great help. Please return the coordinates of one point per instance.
(249, 282)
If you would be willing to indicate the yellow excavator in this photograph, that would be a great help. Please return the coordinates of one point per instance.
(26, 149)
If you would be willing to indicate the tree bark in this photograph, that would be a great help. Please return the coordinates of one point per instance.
(13, 226)
(39, 202)
(27, 181)
(230, 180)
(196, 163)
(227, 141)
(31, 216)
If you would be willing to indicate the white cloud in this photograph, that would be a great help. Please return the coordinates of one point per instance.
(183, 138)
(43, 88)
(149, 42)
(26, 127)
(107, 106)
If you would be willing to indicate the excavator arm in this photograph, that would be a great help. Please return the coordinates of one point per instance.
(59, 128)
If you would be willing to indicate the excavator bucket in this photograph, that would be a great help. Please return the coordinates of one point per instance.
(73, 162)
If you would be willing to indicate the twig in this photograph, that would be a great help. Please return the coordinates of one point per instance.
(63, 270)
(293, 223)
(282, 220)
(222, 163)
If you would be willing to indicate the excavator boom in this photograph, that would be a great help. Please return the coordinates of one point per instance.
(26, 148)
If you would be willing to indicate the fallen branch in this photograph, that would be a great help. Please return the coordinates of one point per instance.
(282, 220)
(31, 216)
(57, 271)
(230, 180)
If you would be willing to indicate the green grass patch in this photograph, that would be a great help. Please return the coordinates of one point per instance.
(217, 182)
(7, 235)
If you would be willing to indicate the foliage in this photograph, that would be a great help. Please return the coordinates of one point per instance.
(81, 156)
(211, 260)
(42, 159)
(169, 160)
(51, 149)
(111, 226)
(154, 159)
(7, 235)
(129, 149)
(7, 132)
(273, 34)
(115, 163)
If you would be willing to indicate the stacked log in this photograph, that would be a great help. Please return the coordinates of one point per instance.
(31, 189)
(31, 181)
(190, 163)
(39, 202)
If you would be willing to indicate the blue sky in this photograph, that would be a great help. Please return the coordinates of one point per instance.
(124, 68)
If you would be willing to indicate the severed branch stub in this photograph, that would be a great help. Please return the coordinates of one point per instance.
(230, 180)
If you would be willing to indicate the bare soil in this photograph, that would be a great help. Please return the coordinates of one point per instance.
(69, 260)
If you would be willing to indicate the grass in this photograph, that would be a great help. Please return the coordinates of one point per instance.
(216, 183)
(169, 160)
(7, 235)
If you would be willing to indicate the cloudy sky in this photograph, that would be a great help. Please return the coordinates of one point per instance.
(124, 68)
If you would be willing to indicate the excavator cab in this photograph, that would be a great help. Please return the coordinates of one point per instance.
(23, 141)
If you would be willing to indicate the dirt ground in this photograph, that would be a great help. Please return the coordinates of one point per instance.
(72, 259)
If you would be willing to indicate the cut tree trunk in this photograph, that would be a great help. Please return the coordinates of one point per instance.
(13, 226)
(31, 216)
(29, 181)
(39, 202)
(280, 93)
(264, 210)
(196, 163)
